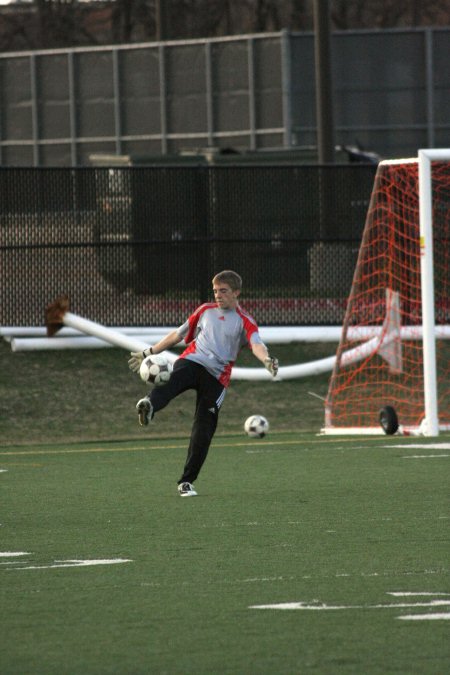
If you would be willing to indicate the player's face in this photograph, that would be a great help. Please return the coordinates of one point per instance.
(225, 297)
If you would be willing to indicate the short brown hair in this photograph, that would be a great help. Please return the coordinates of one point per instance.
(229, 277)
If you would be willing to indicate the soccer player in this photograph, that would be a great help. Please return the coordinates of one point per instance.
(214, 335)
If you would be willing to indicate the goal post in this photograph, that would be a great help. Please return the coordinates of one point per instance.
(426, 260)
(401, 287)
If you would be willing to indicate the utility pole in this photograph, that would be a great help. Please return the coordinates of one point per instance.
(161, 20)
(324, 88)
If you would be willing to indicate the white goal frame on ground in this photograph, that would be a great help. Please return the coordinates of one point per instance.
(430, 424)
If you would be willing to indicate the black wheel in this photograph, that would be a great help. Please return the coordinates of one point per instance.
(388, 420)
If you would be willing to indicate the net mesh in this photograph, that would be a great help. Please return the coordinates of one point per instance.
(385, 307)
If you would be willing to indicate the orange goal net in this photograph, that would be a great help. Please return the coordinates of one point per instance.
(385, 317)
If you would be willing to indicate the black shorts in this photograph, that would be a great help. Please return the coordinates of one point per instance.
(190, 375)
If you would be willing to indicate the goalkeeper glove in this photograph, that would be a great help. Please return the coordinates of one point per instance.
(134, 363)
(272, 365)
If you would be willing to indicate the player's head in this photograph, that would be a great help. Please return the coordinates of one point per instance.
(227, 287)
(229, 277)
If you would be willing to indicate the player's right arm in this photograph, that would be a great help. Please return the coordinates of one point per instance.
(170, 340)
(167, 342)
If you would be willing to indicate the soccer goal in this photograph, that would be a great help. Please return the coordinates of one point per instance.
(398, 311)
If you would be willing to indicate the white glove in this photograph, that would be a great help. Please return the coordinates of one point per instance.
(272, 365)
(134, 363)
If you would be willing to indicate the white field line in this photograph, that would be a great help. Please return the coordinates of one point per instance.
(425, 617)
(77, 563)
(12, 554)
(220, 444)
(134, 448)
(422, 446)
(324, 607)
(405, 594)
(424, 456)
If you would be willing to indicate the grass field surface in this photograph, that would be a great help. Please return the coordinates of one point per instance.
(301, 554)
(85, 395)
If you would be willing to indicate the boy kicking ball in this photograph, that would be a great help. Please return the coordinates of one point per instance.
(214, 335)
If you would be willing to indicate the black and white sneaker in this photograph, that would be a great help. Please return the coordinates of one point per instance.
(145, 411)
(186, 490)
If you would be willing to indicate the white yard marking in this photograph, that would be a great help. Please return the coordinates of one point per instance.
(261, 451)
(422, 446)
(403, 594)
(12, 554)
(145, 448)
(261, 579)
(3, 470)
(317, 606)
(423, 456)
(321, 606)
(425, 617)
(77, 563)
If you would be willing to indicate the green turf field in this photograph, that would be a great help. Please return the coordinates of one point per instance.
(355, 531)
(86, 395)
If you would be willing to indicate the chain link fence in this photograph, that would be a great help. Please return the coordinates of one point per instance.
(138, 246)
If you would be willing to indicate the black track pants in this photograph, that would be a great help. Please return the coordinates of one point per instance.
(210, 394)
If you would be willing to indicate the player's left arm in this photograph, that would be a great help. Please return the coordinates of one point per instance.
(261, 352)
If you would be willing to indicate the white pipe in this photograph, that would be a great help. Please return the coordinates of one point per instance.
(285, 372)
(313, 367)
(133, 344)
(28, 344)
(115, 337)
(269, 334)
(273, 334)
(41, 331)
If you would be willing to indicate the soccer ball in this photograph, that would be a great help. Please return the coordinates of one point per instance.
(256, 426)
(155, 369)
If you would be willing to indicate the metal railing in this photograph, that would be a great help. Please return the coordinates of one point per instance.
(250, 92)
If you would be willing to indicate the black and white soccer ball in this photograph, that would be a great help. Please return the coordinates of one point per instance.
(256, 426)
(155, 369)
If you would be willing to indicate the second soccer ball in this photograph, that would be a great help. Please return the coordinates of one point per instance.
(256, 426)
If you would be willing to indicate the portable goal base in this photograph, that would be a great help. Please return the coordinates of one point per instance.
(402, 285)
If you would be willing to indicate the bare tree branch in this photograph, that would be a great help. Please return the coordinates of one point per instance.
(66, 23)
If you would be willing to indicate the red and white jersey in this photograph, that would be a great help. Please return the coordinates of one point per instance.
(215, 336)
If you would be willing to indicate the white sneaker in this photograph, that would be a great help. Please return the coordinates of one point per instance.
(186, 490)
(145, 411)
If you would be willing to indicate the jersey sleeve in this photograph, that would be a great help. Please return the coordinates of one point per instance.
(250, 329)
(255, 338)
